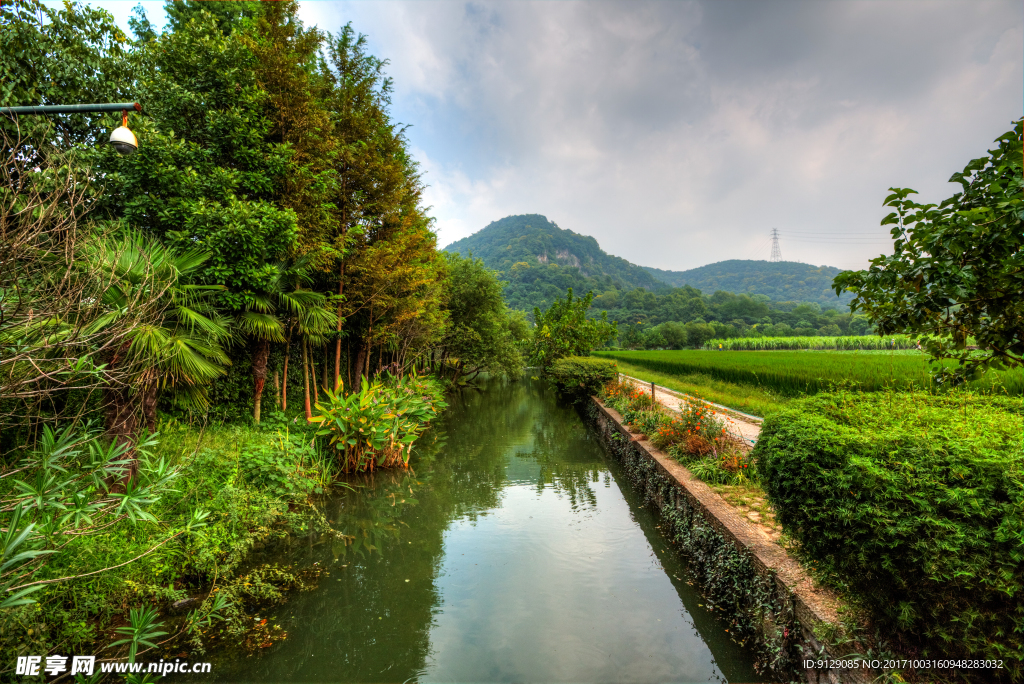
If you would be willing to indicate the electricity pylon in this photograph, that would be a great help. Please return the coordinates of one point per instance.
(776, 252)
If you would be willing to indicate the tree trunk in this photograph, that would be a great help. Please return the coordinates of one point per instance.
(284, 385)
(360, 358)
(305, 381)
(150, 393)
(259, 374)
(337, 342)
(326, 371)
(120, 420)
(348, 364)
(312, 375)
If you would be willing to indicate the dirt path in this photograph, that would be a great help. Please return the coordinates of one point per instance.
(740, 425)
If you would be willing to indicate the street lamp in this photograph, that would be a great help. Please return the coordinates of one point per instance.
(122, 139)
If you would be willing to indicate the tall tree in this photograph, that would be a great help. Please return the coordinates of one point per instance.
(958, 267)
(481, 333)
(371, 173)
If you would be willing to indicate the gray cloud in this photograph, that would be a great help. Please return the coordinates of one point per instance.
(679, 133)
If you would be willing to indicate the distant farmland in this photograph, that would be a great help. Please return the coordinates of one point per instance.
(792, 373)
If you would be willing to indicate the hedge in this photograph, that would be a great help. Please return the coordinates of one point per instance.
(915, 505)
(582, 375)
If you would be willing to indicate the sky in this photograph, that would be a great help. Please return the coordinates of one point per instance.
(681, 133)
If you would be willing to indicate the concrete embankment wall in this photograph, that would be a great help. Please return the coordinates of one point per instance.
(771, 601)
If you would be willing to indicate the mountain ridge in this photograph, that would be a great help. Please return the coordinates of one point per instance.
(540, 260)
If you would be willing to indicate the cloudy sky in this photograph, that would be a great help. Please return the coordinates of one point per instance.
(680, 133)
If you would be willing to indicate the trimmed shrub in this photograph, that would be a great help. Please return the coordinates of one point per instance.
(582, 375)
(916, 504)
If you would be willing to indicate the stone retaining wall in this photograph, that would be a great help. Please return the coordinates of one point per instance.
(773, 604)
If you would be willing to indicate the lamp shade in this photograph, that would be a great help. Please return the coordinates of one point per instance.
(124, 140)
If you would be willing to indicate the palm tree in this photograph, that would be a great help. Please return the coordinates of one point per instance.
(174, 337)
(314, 326)
(275, 313)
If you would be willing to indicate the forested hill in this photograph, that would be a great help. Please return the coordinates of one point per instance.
(540, 261)
(782, 281)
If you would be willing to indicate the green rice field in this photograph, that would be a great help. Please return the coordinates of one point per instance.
(796, 373)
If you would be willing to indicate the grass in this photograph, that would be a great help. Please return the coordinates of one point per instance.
(798, 373)
(758, 401)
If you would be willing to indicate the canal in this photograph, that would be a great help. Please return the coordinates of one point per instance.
(511, 551)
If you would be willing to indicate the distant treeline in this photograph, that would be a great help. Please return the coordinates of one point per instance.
(683, 317)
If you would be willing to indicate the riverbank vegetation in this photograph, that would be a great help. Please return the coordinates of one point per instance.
(696, 436)
(582, 376)
(176, 325)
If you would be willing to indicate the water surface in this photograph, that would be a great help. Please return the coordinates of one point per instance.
(512, 551)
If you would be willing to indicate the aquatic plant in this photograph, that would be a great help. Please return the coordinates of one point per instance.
(376, 426)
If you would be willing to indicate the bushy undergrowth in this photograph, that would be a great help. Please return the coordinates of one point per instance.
(696, 437)
(915, 504)
(582, 376)
(251, 485)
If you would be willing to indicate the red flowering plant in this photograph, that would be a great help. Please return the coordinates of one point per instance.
(638, 408)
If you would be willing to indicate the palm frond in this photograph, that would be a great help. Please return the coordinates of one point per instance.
(262, 326)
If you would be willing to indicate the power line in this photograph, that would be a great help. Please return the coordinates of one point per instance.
(759, 249)
(826, 232)
(833, 240)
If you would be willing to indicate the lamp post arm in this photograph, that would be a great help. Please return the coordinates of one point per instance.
(72, 109)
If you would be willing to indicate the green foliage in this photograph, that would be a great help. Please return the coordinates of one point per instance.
(75, 54)
(914, 504)
(141, 630)
(794, 373)
(205, 172)
(65, 492)
(958, 268)
(376, 426)
(564, 330)
(838, 343)
(283, 468)
(581, 375)
(480, 334)
(782, 281)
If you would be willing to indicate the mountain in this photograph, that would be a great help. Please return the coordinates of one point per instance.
(540, 261)
(782, 281)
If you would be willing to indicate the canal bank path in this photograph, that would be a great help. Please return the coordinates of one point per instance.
(743, 426)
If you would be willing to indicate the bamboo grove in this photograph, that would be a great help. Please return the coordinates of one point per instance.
(267, 242)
